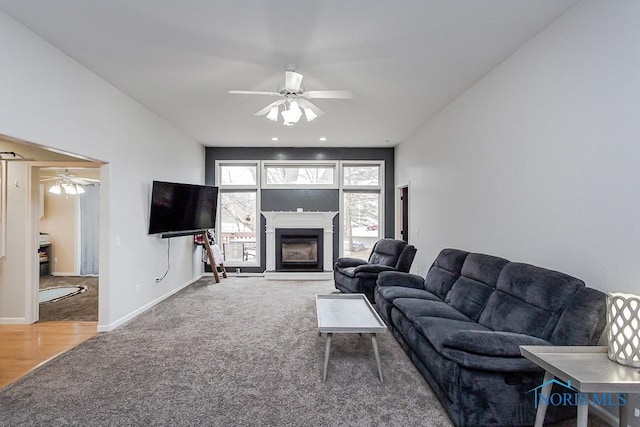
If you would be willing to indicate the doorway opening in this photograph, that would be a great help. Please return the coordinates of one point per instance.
(403, 213)
(68, 228)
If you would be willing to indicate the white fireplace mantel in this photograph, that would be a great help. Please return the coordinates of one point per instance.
(297, 219)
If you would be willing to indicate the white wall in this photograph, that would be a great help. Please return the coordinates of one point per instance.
(13, 266)
(539, 162)
(50, 99)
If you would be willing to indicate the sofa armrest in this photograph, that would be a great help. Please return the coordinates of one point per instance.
(372, 268)
(396, 278)
(490, 343)
(346, 262)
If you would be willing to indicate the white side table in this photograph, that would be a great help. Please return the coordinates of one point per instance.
(589, 370)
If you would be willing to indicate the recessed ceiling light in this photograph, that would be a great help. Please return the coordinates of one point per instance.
(322, 138)
(275, 138)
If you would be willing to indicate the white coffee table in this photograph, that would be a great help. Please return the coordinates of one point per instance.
(348, 314)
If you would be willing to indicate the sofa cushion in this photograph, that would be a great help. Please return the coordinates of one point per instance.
(583, 321)
(370, 270)
(469, 296)
(390, 293)
(479, 274)
(445, 271)
(483, 268)
(386, 252)
(528, 300)
(491, 343)
(413, 308)
(437, 330)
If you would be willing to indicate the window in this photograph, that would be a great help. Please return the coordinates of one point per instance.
(361, 207)
(238, 215)
(360, 185)
(238, 226)
(238, 175)
(299, 174)
(361, 175)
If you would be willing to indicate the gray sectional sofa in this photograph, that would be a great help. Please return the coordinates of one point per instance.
(463, 324)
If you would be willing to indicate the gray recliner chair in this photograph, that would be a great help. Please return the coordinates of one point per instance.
(353, 275)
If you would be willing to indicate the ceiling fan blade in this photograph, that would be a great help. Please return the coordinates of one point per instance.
(328, 94)
(266, 109)
(252, 92)
(292, 81)
(307, 104)
(85, 181)
(48, 178)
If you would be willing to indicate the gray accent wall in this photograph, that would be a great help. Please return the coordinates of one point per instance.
(308, 199)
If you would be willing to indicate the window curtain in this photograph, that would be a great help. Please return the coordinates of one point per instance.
(89, 229)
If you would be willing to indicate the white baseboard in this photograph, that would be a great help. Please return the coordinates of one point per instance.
(233, 274)
(147, 306)
(298, 275)
(14, 321)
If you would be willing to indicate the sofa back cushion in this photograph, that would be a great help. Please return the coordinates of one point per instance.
(406, 259)
(477, 281)
(444, 271)
(387, 252)
(528, 300)
(584, 319)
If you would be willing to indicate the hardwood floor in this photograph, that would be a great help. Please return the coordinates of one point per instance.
(24, 347)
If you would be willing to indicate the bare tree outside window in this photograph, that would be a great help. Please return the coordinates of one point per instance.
(361, 209)
(295, 175)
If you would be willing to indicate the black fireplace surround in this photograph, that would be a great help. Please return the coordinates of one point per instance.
(299, 249)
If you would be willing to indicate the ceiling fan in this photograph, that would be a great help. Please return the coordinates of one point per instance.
(68, 183)
(294, 99)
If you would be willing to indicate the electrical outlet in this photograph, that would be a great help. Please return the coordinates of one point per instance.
(636, 412)
(55, 259)
(137, 289)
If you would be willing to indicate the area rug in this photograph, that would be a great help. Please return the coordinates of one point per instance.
(58, 293)
(81, 307)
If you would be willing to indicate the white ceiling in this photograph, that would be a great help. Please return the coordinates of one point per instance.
(404, 60)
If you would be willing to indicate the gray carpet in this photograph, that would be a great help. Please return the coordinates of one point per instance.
(244, 352)
(80, 308)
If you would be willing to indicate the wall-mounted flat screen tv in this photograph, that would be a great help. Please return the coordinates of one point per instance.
(182, 209)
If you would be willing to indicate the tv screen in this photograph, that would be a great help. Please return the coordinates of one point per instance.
(182, 209)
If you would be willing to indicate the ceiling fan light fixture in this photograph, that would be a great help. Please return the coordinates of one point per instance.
(69, 189)
(309, 114)
(79, 189)
(292, 115)
(273, 113)
(55, 189)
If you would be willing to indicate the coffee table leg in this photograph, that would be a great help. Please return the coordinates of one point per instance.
(326, 356)
(374, 341)
(542, 403)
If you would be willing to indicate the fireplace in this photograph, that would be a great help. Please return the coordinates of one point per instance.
(299, 249)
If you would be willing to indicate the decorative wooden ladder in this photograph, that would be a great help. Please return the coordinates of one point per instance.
(214, 267)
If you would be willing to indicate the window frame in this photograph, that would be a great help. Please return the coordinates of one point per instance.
(332, 164)
(379, 189)
(230, 188)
